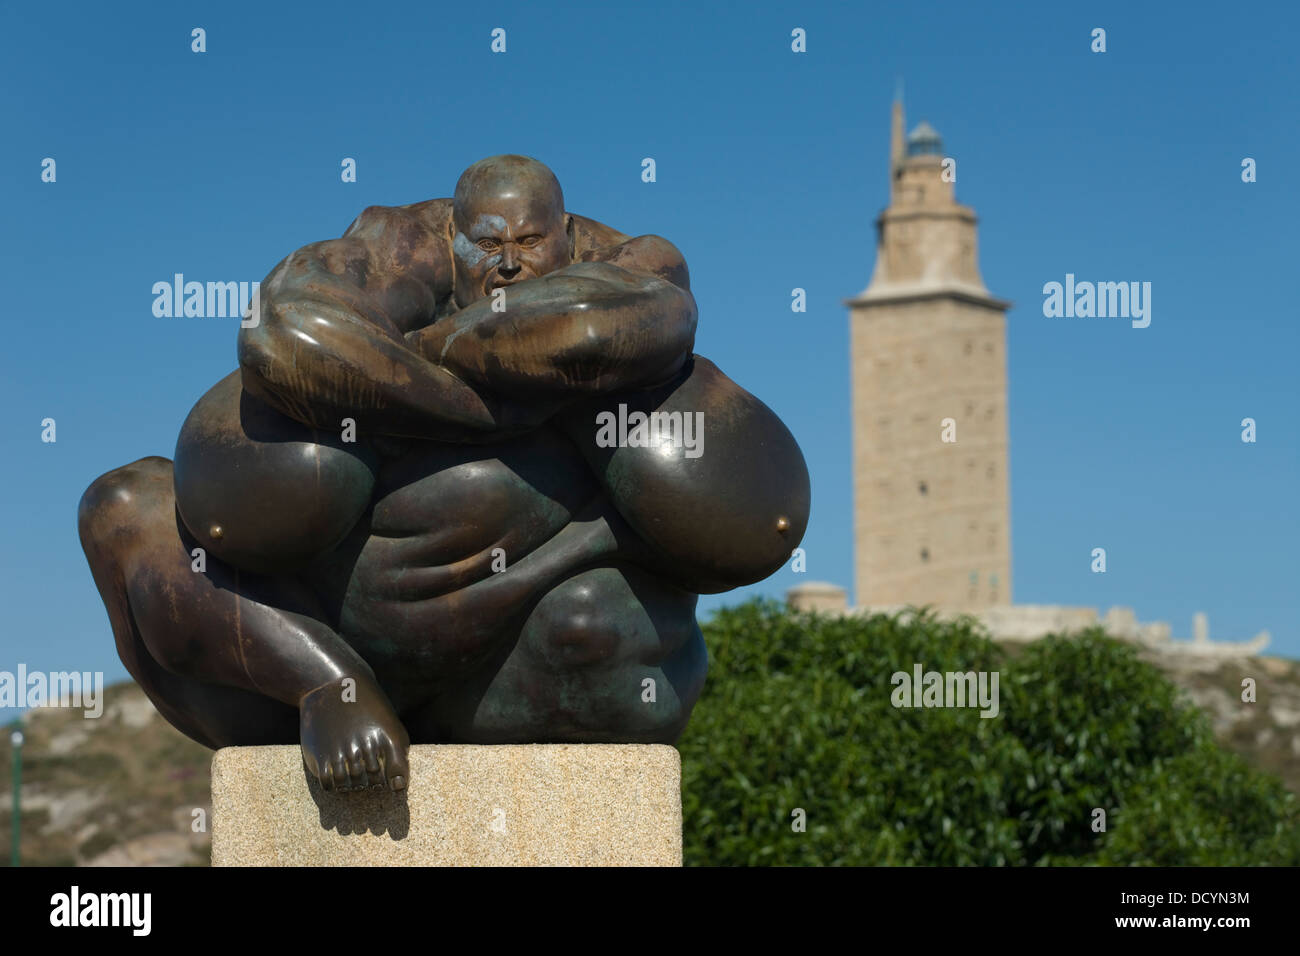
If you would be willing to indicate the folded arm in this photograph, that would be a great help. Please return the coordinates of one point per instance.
(329, 344)
(344, 333)
(622, 318)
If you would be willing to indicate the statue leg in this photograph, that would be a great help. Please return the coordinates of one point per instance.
(231, 657)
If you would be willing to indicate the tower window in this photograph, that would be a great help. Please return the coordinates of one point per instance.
(923, 488)
(967, 348)
(925, 554)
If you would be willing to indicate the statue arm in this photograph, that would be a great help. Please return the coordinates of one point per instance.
(622, 318)
(329, 342)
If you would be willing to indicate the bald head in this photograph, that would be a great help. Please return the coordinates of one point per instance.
(509, 222)
(508, 177)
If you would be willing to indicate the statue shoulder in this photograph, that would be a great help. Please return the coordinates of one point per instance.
(414, 238)
(434, 213)
(376, 221)
(649, 254)
(590, 236)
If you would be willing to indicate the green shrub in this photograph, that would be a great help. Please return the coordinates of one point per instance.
(796, 715)
(1093, 719)
(1204, 808)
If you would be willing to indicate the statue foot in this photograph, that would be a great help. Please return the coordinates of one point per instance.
(352, 739)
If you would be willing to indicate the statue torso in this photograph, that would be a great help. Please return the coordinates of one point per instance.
(448, 520)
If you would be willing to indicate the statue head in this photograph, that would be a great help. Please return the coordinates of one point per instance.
(508, 225)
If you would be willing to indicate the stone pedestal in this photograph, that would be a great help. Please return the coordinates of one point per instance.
(508, 805)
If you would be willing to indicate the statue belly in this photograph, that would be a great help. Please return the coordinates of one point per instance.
(447, 518)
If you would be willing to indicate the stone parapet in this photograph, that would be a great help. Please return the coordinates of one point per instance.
(506, 805)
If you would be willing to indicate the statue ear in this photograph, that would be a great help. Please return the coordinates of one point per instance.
(573, 237)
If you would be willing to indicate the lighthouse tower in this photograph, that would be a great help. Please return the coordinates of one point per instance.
(929, 381)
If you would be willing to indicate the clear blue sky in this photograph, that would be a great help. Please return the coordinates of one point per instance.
(771, 170)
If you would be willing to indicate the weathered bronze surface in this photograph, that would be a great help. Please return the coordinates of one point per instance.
(423, 508)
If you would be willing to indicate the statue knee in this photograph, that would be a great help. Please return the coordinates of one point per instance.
(619, 650)
(120, 504)
(613, 615)
(263, 492)
(577, 620)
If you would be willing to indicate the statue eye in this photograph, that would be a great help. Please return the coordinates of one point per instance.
(488, 245)
(529, 242)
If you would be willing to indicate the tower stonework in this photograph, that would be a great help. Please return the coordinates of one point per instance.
(928, 344)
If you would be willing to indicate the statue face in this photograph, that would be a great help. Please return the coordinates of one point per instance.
(505, 238)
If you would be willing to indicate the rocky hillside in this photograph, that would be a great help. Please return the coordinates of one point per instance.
(117, 791)
(123, 790)
(1266, 732)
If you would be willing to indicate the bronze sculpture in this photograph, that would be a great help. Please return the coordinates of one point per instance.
(429, 506)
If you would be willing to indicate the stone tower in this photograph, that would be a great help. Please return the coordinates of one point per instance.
(928, 345)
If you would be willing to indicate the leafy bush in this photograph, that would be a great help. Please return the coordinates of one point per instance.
(1205, 808)
(797, 715)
